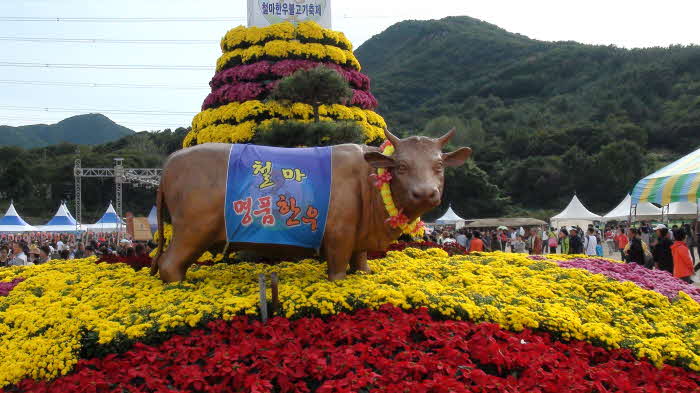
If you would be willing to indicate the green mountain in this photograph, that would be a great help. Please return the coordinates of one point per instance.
(545, 119)
(90, 129)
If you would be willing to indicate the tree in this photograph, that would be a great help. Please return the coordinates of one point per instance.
(468, 190)
(317, 86)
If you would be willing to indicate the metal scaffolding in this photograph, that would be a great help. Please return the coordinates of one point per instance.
(147, 177)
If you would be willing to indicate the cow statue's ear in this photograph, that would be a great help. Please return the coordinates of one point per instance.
(379, 160)
(457, 157)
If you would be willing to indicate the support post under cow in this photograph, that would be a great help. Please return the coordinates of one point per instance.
(275, 293)
(263, 297)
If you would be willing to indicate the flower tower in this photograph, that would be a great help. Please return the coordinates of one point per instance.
(254, 60)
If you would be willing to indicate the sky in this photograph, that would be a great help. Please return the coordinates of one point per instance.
(153, 99)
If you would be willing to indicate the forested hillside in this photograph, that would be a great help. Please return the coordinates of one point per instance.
(90, 129)
(545, 119)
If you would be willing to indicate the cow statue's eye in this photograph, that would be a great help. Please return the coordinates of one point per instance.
(402, 168)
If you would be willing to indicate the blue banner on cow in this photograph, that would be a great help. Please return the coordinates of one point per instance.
(278, 196)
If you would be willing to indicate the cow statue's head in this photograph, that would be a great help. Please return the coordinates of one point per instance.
(418, 170)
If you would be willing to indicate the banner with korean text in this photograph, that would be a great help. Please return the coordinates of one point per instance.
(277, 195)
(263, 13)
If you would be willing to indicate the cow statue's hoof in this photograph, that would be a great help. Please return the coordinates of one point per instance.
(337, 276)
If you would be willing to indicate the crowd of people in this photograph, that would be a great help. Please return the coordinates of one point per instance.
(41, 247)
(658, 247)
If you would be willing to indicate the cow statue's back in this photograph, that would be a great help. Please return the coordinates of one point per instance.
(193, 189)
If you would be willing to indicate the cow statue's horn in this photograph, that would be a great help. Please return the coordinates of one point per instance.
(442, 141)
(391, 138)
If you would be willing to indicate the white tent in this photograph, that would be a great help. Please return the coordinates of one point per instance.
(682, 210)
(12, 222)
(63, 221)
(108, 223)
(645, 211)
(450, 218)
(575, 214)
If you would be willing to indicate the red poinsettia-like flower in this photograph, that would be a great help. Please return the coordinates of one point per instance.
(397, 220)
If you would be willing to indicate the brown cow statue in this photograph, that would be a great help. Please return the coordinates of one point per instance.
(193, 188)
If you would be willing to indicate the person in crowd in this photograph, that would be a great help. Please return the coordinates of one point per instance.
(33, 255)
(64, 254)
(476, 244)
(461, 238)
(575, 242)
(671, 233)
(537, 244)
(621, 240)
(552, 241)
(565, 241)
(44, 255)
(79, 251)
(19, 257)
(518, 245)
(682, 263)
(4, 255)
(590, 242)
(448, 239)
(610, 240)
(662, 249)
(89, 251)
(486, 239)
(634, 250)
(646, 233)
(690, 240)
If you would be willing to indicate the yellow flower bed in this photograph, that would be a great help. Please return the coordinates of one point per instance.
(242, 36)
(44, 319)
(280, 49)
(214, 125)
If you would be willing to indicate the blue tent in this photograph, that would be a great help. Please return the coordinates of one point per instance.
(109, 222)
(153, 219)
(62, 221)
(12, 222)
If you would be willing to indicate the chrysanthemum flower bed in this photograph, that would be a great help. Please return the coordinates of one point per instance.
(65, 311)
(385, 351)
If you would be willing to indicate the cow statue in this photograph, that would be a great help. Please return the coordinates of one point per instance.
(193, 188)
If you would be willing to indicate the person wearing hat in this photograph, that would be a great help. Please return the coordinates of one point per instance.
(663, 259)
(34, 253)
(44, 254)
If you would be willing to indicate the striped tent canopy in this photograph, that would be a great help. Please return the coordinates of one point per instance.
(677, 182)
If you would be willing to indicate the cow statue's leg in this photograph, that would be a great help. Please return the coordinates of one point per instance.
(188, 243)
(338, 258)
(358, 262)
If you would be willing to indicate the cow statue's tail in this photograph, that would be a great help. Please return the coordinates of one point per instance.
(160, 205)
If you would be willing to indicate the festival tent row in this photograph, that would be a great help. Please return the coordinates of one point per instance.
(62, 221)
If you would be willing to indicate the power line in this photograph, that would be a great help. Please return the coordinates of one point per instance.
(120, 111)
(103, 85)
(108, 41)
(106, 66)
(116, 20)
